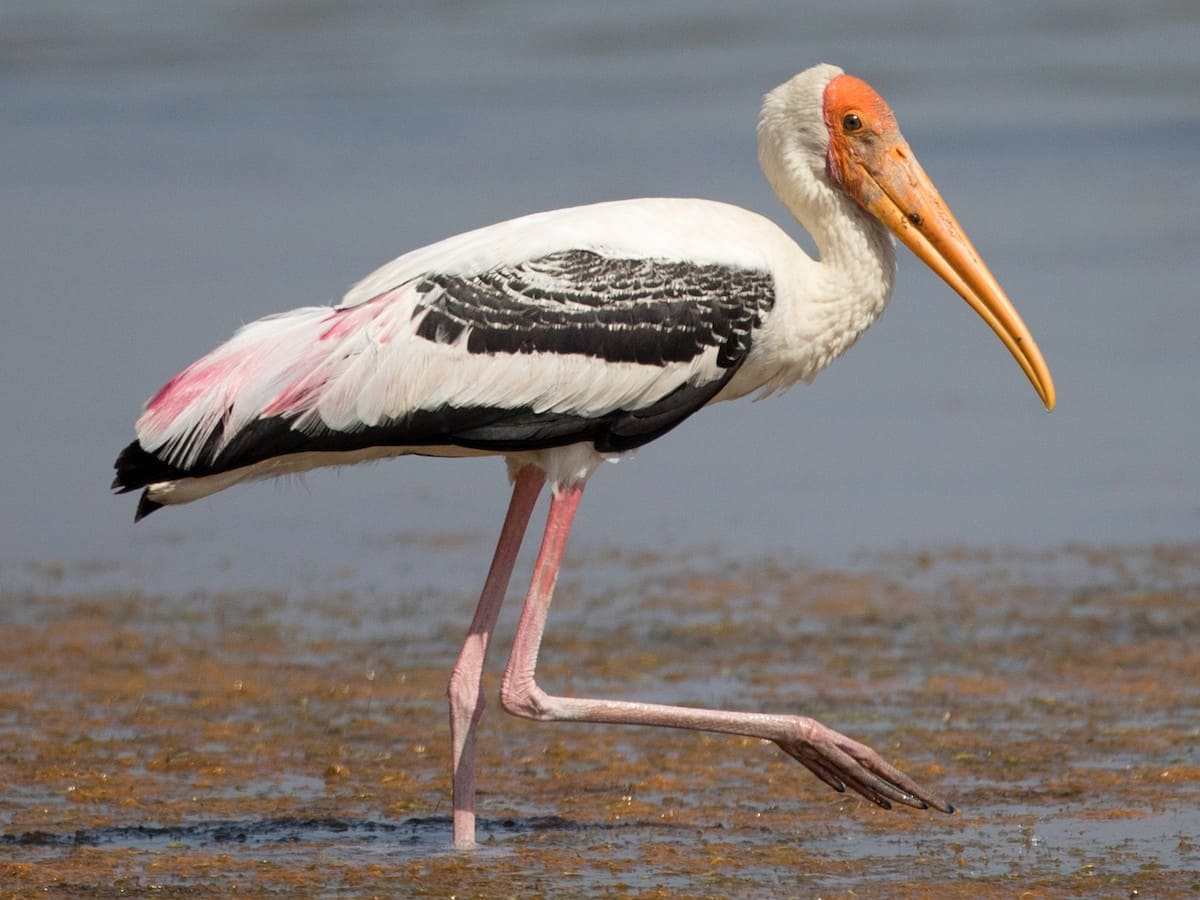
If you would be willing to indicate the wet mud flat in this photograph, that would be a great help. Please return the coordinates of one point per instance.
(259, 743)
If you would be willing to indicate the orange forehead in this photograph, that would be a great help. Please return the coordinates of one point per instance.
(846, 94)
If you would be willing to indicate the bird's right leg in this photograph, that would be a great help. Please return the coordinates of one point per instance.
(466, 698)
(837, 760)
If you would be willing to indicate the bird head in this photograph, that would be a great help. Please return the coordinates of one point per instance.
(834, 133)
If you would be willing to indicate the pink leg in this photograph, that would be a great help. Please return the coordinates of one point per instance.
(834, 758)
(466, 699)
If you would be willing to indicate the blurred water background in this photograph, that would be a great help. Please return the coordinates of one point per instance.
(174, 169)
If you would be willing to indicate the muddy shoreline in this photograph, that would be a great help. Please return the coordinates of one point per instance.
(260, 743)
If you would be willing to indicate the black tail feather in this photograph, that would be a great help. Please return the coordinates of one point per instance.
(145, 507)
(137, 468)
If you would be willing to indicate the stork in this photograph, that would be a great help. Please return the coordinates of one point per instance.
(563, 339)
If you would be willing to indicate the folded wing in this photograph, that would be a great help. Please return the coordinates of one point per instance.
(571, 346)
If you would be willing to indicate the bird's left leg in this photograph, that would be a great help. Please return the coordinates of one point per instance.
(466, 698)
(837, 760)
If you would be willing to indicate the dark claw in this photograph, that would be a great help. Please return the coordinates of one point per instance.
(824, 774)
(841, 762)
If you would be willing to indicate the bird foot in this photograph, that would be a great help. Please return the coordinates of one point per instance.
(843, 763)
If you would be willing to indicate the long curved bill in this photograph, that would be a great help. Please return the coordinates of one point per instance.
(894, 188)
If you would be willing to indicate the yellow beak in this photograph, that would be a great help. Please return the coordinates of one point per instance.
(893, 187)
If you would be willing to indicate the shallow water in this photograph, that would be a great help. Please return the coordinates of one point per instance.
(170, 176)
(245, 741)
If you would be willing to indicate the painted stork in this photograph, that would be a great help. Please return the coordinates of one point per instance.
(565, 338)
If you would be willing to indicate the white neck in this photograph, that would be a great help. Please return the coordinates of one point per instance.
(829, 305)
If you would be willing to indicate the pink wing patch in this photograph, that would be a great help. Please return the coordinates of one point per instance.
(189, 385)
(278, 366)
(311, 372)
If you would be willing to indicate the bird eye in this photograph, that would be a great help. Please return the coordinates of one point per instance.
(851, 122)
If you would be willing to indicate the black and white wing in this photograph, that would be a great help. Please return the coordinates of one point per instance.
(568, 346)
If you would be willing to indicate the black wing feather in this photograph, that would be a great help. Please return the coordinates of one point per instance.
(643, 311)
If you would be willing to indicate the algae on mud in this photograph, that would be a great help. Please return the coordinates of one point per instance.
(274, 743)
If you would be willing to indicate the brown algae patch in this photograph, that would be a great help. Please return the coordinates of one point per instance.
(258, 743)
